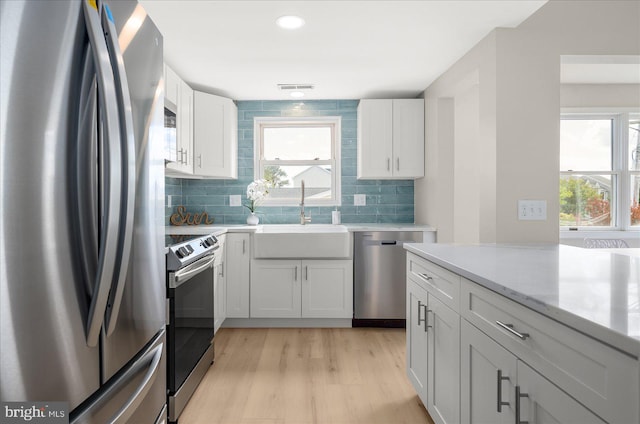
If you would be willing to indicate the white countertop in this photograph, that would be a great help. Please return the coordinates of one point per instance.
(221, 229)
(595, 292)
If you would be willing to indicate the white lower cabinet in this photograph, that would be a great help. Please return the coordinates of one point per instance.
(433, 339)
(301, 288)
(237, 264)
(219, 286)
(476, 357)
(417, 338)
(443, 393)
(497, 387)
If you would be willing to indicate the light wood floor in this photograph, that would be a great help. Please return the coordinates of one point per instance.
(307, 376)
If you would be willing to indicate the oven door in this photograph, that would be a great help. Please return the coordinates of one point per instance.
(191, 320)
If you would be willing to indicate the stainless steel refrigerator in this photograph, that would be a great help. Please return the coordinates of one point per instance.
(82, 294)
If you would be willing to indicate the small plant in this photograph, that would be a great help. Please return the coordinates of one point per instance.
(257, 191)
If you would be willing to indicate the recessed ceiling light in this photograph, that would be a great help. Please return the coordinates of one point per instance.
(296, 94)
(290, 22)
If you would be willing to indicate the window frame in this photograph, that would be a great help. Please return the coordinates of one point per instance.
(620, 170)
(333, 122)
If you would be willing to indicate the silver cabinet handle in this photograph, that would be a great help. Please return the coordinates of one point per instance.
(388, 164)
(426, 277)
(222, 269)
(509, 328)
(186, 157)
(199, 161)
(426, 318)
(243, 247)
(421, 320)
(501, 403)
(295, 276)
(520, 395)
(306, 272)
(397, 164)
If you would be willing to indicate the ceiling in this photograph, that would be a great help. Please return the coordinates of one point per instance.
(347, 49)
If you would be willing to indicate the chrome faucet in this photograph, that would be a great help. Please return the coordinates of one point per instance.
(303, 219)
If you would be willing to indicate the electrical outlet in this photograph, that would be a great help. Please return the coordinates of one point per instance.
(235, 200)
(169, 199)
(532, 210)
(359, 199)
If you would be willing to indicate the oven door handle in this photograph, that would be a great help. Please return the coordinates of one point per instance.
(185, 274)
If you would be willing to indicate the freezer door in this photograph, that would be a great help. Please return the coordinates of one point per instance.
(137, 394)
(44, 295)
(142, 306)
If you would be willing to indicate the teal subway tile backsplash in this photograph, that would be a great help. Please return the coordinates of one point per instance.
(388, 201)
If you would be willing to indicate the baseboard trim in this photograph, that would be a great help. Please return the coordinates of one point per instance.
(287, 323)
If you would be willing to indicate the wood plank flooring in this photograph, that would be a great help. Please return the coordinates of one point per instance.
(307, 376)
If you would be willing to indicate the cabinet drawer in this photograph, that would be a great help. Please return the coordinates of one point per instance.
(443, 284)
(596, 375)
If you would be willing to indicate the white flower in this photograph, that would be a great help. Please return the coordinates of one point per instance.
(257, 191)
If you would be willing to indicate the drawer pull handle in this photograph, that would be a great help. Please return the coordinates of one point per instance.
(426, 277)
(501, 403)
(520, 395)
(509, 328)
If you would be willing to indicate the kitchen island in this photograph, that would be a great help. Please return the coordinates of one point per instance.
(554, 329)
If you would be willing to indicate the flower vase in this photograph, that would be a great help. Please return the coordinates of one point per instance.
(253, 219)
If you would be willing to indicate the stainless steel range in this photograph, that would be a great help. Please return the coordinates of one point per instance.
(190, 322)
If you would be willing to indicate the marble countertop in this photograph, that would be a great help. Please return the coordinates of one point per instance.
(595, 292)
(221, 229)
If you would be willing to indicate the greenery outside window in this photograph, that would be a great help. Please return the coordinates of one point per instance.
(291, 150)
(599, 171)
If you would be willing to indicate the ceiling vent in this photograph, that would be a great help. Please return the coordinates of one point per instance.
(295, 87)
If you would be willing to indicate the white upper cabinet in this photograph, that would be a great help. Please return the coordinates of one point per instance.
(179, 99)
(171, 88)
(390, 138)
(215, 136)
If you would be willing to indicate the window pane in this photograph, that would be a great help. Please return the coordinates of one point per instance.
(634, 142)
(287, 181)
(297, 143)
(635, 199)
(585, 144)
(585, 200)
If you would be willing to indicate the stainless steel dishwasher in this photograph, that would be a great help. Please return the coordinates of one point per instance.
(379, 277)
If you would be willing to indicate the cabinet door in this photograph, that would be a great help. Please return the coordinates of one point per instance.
(215, 136)
(488, 378)
(541, 402)
(171, 88)
(184, 128)
(217, 318)
(275, 289)
(417, 338)
(327, 289)
(408, 138)
(237, 275)
(375, 131)
(443, 400)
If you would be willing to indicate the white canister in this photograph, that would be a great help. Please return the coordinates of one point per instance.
(335, 217)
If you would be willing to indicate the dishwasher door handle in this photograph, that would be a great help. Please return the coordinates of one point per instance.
(389, 242)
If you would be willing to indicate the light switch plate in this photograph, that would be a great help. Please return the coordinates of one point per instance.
(234, 200)
(532, 210)
(169, 201)
(359, 199)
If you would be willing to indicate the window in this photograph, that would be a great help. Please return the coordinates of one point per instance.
(289, 151)
(599, 171)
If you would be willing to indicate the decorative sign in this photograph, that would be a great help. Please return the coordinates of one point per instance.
(182, 217)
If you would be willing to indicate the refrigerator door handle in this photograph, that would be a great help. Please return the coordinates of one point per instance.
(107, 255)
(127, 137)
(123, 415)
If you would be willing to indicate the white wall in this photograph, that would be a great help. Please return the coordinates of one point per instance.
(518, 116)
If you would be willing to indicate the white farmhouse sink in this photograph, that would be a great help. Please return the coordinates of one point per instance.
(301, 241)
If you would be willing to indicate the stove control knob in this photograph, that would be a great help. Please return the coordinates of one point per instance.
(184, 251)
(179, 253)
(189, 249)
